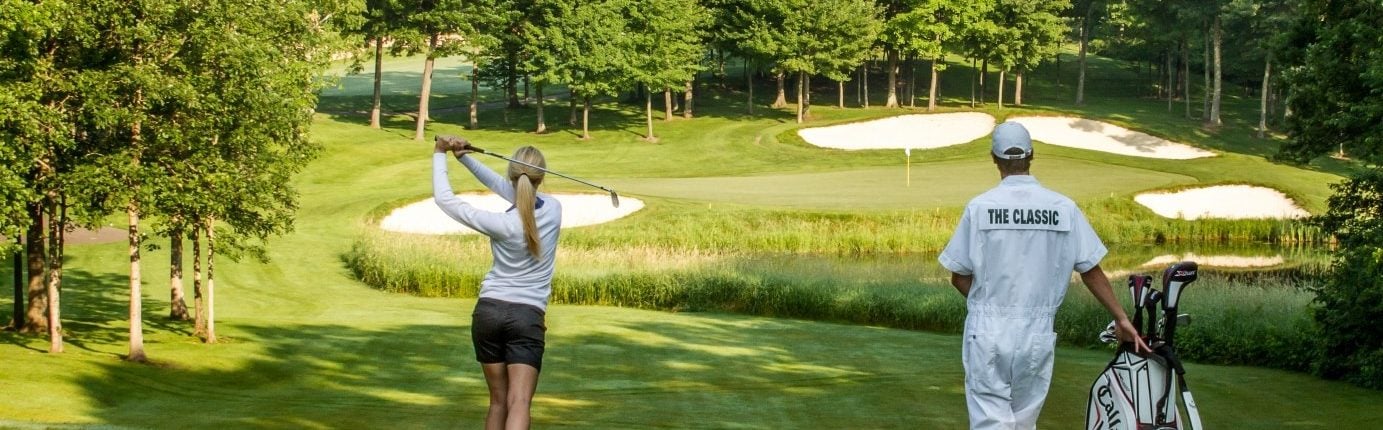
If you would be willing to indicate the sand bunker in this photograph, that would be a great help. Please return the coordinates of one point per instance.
(904, 131)
(577, 210)
(1222, 201)
(1101, 136)
(1217, 260)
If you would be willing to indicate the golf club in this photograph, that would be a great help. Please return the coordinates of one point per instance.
(614, 197)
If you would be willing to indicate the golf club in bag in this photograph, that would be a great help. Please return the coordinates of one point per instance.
(614, 197)
(1139, 392)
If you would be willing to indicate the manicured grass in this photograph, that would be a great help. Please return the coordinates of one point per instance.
(305, 344)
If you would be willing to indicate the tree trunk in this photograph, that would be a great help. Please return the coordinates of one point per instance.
(806, 96)
(1057, 78)
(18, 320)
(1215, 97)
(524, 101)
(687, 99)
(984, 70)
(859, 87)
(782, 100)
(749, 79)
(379, 73)
(542, 125)
(1001, 88)
(1084, 43)
(1018, 89)
(427, 89)
(37, 314)
(132, 211)
(57, 220)
(177, 305)
(475, 98)
(667, 104)
(800, 77)
(586, 119)
(974, 74)
(511, 76)
(931, 92)
(1205, 70)
(1171, 87)
(648, 111)
(210, 280)
(571, 102)
(198, 299)
(912, 82)
(1263, 96)
(864, 82)
(892, 79)
(840, 85)
(1186, 75)
(136, 299)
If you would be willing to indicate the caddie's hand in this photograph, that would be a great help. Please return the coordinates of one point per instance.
(1127, 333)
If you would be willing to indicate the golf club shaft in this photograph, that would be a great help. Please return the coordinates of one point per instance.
(482, 151)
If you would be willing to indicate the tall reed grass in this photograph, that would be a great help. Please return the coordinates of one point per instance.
(1264, 322)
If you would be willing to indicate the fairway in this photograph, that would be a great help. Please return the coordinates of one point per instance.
(938, 184)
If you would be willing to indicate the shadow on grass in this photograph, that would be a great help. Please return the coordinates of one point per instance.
(620, 375)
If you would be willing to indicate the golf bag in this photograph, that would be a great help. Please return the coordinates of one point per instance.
(1139, 392)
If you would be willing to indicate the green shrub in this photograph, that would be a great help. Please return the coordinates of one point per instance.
(1351, 300)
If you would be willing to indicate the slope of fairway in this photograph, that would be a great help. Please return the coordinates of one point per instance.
(938, 184)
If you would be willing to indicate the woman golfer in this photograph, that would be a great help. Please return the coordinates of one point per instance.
(507, 325)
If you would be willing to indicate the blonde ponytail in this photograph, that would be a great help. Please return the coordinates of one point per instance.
(526, 180)
(526, 196)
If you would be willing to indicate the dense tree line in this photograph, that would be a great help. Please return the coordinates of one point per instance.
(187, 117)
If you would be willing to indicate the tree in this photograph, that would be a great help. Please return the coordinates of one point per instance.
(666, 41)
(825, 35)
(1350, 298)
(430, 28)
(594, 49)
(753, 30)
(1090, 13)
(1035, 31)
(376, 24)
(1335, 94)
(924, 30)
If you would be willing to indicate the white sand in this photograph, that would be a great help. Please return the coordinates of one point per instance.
(1222, 201)
(903, 131)
(1101, 136)
(1217, 260)
(577, 210)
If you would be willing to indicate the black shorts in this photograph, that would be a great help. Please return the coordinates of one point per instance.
(507, 332)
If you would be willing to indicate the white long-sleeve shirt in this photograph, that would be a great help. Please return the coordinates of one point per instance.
(515, 276)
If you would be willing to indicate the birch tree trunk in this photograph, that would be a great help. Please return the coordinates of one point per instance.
(1001, 88)
(542, 124)
(136, 298)
(1219, 72)
(427, 89)
(210, 280)
(57, 220)
(1263, 102)
(1018, 89)
(475, 98)
(178, 306)
(840, 103)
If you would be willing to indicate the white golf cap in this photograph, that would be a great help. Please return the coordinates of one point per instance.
(1011, 135)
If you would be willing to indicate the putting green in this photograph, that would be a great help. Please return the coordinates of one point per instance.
(939, 184)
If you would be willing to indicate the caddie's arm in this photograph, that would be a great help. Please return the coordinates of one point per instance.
(962, 283)
(1098, 284)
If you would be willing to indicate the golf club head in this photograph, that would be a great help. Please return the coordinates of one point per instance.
(1175, 279)
(614, 198)
(1139, 286)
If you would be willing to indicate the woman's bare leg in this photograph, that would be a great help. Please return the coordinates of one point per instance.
(497, 378)
(523, 381)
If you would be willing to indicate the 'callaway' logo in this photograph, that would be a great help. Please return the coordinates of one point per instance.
(1106, 399)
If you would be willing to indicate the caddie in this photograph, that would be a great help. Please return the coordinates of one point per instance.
(1011, 257)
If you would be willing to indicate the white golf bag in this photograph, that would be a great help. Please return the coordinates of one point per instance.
(1139, 392)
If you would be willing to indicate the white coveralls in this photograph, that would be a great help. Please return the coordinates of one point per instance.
(1020, 241)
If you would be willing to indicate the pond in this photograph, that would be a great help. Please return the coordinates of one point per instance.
(1251, 264)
